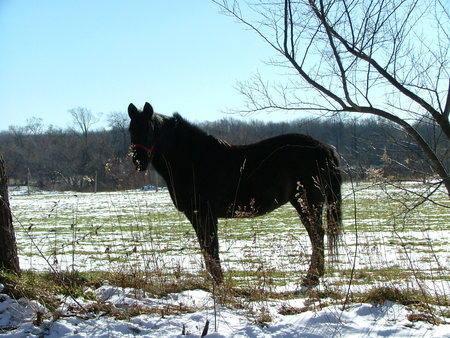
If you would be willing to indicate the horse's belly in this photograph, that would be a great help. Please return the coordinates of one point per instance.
(251, 207)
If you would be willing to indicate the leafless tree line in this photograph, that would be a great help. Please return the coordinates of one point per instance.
(80, 158)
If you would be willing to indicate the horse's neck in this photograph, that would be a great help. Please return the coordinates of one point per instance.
(189, 143)
(170, 162)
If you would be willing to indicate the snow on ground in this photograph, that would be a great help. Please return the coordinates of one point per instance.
(18, 319)
(61, 225)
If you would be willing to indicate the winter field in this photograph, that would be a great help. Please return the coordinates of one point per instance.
(392, 276)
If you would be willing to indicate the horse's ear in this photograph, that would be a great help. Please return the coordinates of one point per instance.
(132, 111)
(148, 110)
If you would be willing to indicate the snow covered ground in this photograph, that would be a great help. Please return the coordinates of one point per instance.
(141, 230)
(358, 320)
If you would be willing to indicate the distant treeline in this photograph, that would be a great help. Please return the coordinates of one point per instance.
(89, 160)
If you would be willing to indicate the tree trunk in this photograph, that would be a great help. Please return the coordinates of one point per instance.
(8, 249)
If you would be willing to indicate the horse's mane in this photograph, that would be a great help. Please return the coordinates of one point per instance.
(187, 129)
(188, 133)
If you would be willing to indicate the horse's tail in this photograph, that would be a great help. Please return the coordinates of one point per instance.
(334, 203)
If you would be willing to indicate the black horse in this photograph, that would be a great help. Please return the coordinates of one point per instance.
(209, 179)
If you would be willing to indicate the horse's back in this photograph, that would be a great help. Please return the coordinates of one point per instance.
(296, 150)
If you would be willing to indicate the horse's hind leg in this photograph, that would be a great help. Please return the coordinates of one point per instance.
(310, 211)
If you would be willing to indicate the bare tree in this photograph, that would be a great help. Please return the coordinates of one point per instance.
(35, 126)
(8, 249)
(388, 58)
(83, 119)
(118, 122)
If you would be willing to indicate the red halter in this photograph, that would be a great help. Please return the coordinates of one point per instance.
(147, 149)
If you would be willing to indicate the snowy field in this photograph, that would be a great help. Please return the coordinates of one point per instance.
(390, 240)
(359, 320)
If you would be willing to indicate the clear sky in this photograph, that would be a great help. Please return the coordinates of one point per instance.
(179, 55)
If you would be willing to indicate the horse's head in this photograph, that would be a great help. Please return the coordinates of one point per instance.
(142, 133)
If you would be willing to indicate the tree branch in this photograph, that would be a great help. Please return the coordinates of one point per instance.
(363, 56)
(446, 112)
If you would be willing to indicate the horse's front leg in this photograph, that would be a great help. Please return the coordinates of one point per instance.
(205, 225)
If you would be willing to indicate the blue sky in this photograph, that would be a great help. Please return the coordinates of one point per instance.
(179, 55)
